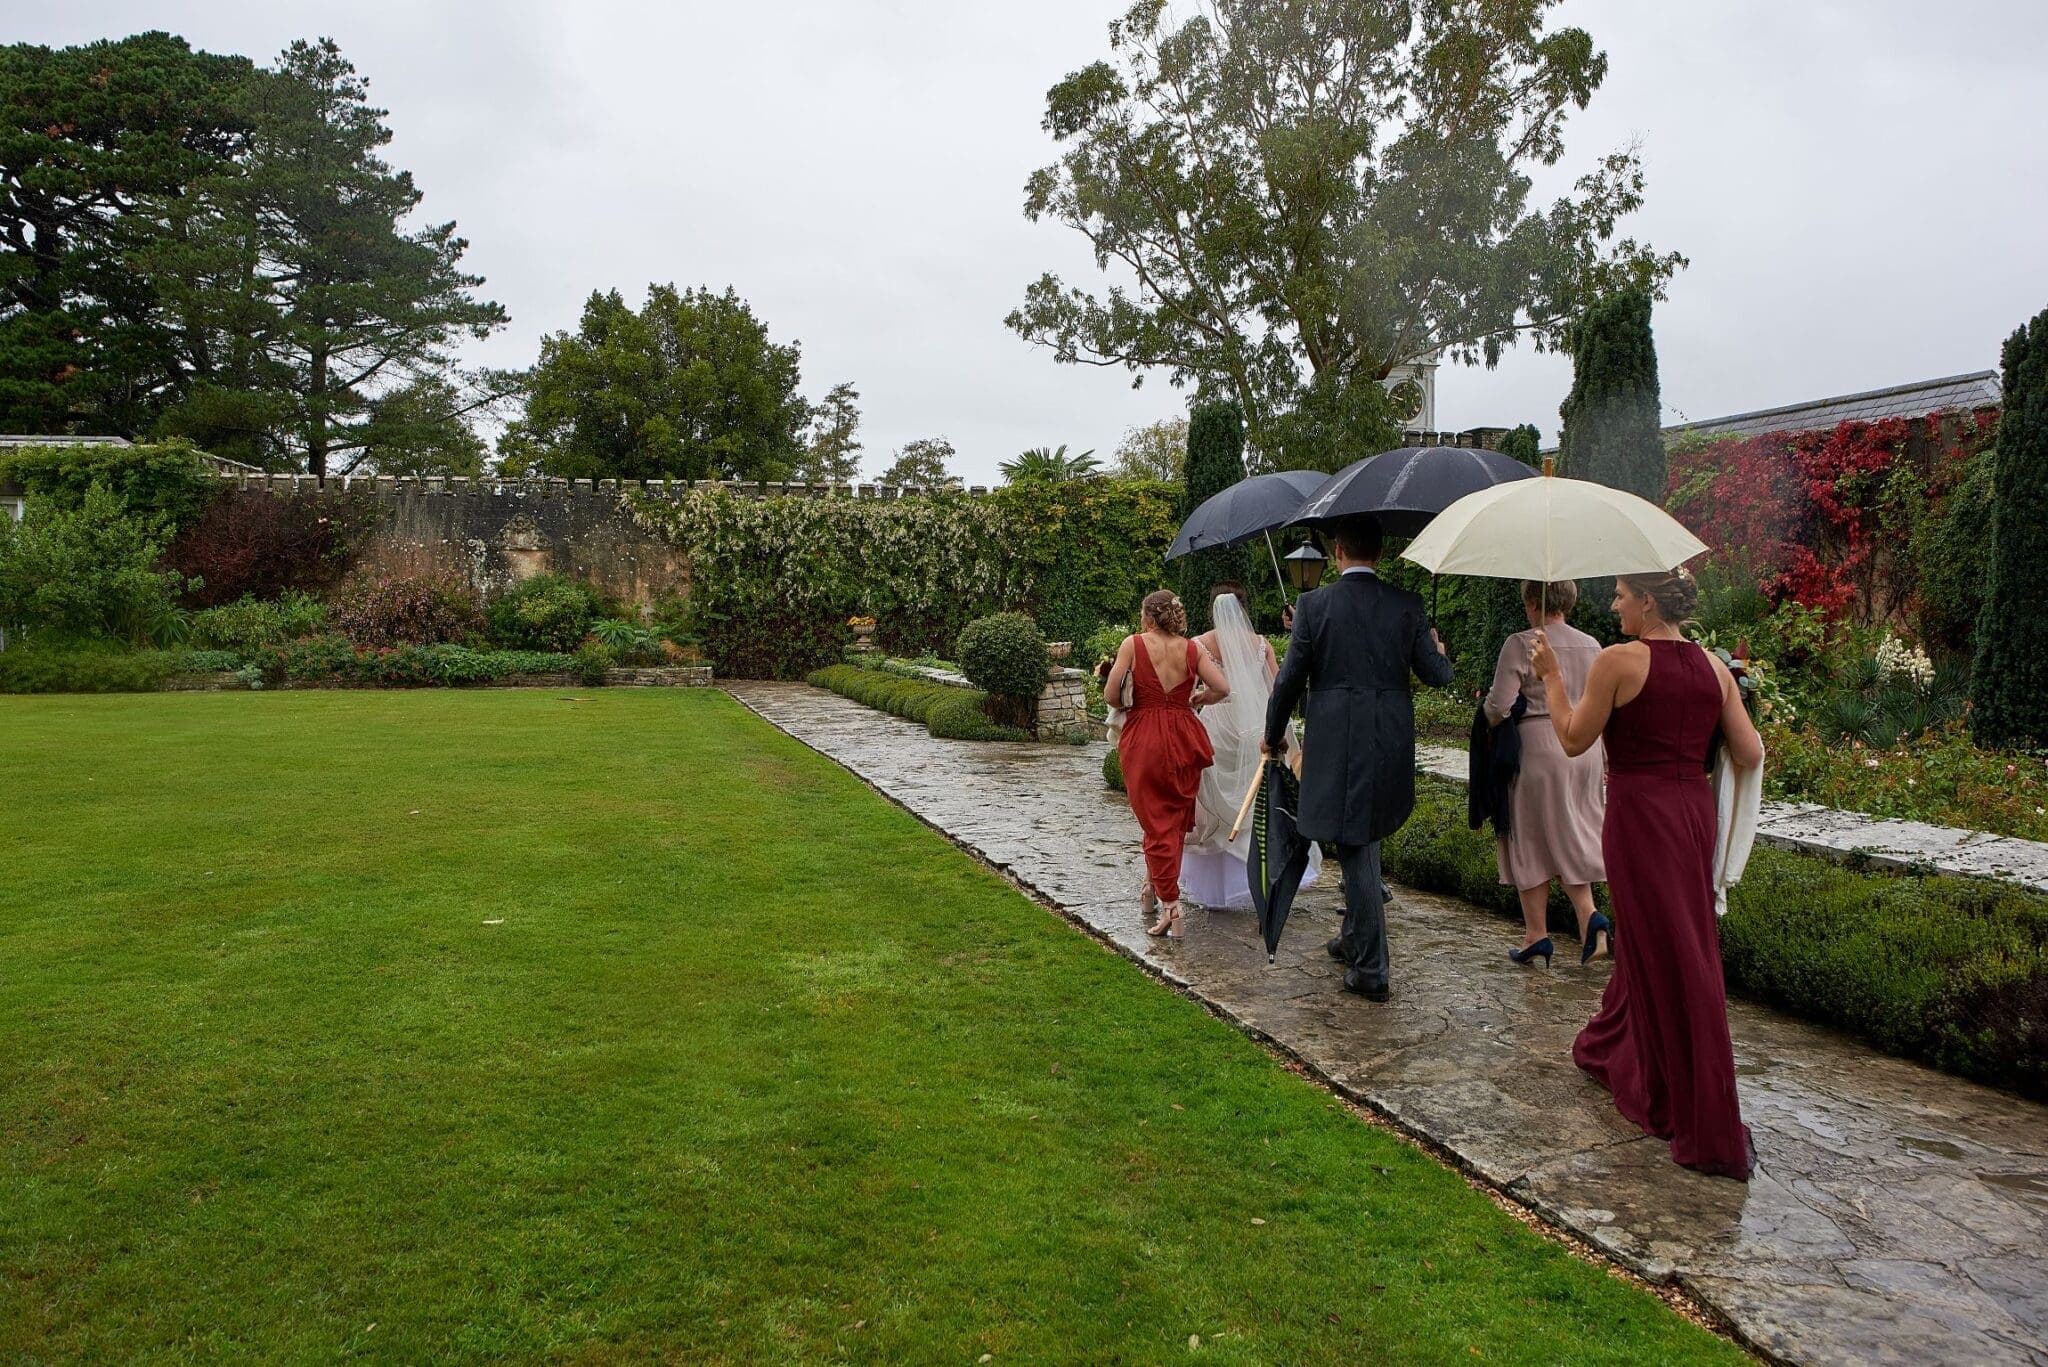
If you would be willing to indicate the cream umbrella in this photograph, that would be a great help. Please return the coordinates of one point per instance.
(1550, 529)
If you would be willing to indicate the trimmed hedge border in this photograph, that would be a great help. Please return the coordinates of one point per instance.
(1950, 971)
(947, 712)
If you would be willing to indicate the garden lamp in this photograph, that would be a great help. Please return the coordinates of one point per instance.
(1305, 567)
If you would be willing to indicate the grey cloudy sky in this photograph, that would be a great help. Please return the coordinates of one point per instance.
(1861, 184)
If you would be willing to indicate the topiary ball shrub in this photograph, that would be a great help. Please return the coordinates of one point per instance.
(1113, 771)
(547, 612)
(1005, 656)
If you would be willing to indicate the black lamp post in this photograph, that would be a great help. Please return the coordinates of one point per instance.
(1304, 567)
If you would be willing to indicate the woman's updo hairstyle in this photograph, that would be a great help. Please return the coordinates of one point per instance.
(1164, 610)
(1233, 589)
(1676, 594)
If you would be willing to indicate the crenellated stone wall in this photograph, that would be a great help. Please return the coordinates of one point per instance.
(496, 532)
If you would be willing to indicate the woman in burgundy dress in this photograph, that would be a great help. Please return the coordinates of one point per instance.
(1164, 748)
(1660, 1043)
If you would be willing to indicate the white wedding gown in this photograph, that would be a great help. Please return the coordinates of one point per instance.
(1212, 869)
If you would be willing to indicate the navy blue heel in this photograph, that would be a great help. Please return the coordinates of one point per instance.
(1595, 928)
(1542, 946)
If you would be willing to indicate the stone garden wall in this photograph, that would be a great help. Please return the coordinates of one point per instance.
(495, 532)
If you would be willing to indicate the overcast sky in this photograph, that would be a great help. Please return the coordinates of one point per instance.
(1862, 185)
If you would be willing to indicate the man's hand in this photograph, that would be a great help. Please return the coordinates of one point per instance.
(1287, 617)
(1438, 642)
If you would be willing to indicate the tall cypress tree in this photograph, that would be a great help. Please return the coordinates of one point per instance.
(1611, 434)
(1215, 462)
(2009, 679)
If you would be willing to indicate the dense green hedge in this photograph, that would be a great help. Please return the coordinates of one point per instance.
(774, 580)
(947, 712)
(30, 669)
(167, 481)
(1951, 971)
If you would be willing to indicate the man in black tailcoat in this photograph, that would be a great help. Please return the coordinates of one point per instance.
(1355, 641)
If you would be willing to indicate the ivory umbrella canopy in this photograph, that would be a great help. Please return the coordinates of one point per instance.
(1550, 529)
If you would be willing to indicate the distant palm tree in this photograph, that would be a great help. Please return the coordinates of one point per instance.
(1050, 465)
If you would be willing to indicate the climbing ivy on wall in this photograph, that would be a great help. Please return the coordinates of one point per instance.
(774, 580)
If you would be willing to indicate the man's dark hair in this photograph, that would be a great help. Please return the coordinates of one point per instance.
(1358, 537)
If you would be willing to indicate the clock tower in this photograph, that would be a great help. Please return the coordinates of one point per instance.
(1412, 387)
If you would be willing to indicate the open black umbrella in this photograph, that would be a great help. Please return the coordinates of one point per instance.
(1279, 854)
(1407, 487)
(1247, 509)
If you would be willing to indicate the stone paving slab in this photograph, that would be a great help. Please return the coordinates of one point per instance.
(1897, 1214)
(1885, 842)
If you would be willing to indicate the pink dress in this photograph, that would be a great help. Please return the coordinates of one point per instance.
(1558, 804)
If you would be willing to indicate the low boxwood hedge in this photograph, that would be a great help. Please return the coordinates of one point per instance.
(947, 712)
(1950, 971)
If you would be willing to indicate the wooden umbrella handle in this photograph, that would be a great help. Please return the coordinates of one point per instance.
(1258, 777)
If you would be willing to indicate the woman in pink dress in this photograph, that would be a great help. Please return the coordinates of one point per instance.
(1164, 748)
(1558, 802)
(1660, 1043)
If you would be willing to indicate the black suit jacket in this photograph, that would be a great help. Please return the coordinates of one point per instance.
(1354, 644)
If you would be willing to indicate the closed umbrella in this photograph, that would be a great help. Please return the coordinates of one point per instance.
(1408, 487)
(1279, 854)
(1249, 508)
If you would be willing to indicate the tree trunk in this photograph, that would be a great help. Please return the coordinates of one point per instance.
(316, 415)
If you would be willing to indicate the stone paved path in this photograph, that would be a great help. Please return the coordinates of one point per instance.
(1899, 1215)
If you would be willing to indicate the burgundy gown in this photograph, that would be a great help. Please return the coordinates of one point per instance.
(1164, 750)
(1660, 1042)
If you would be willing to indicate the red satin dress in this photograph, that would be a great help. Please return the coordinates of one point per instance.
(1660, 1043)
(1164, 750)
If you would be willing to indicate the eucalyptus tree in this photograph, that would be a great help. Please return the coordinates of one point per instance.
(1292, 198)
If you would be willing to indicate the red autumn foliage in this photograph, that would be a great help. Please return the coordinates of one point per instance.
(1826, 518)
(254, 541)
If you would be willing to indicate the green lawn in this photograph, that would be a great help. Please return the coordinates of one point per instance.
(426, 1026)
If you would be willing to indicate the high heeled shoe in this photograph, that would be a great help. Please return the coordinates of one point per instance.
(1168, 923)
(1595, 928)
(1527, 956)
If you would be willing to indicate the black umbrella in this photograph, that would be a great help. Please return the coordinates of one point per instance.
(1405, 488)
(1245, 510)
(1279, 854)
(1251, 507)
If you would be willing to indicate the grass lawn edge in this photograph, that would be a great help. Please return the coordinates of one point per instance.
(1361, 1106)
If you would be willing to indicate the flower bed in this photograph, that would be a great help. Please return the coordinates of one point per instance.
(1941, 777)
(1950, 971)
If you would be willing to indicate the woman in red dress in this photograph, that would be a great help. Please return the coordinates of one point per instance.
(1660, 1043)
(1164, 748)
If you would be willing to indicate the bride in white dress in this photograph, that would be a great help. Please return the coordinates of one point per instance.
(1212, 870)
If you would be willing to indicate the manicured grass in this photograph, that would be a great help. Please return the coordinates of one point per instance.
(754, 1067)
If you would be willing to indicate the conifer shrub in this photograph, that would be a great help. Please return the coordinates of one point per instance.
(2009, 679)
(1215, 462)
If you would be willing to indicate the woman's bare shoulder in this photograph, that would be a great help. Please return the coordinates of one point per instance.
(1626, 655)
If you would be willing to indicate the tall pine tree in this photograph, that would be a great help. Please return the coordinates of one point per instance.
(101, 147)
(359, 306)
(1215, 462)
(1611, 433)
(2009, 680)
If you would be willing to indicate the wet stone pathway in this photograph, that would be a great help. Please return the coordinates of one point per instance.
(1897, 1215)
